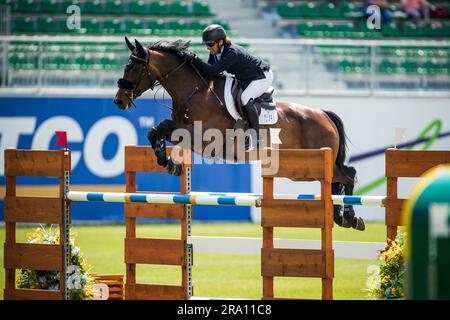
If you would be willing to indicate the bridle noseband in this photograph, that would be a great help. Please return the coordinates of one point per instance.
(130, 86)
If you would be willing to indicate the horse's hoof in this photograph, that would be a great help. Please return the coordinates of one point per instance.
(345, 223)
(174, 168)
(359, 224)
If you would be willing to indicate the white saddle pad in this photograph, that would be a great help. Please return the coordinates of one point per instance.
(266, 116)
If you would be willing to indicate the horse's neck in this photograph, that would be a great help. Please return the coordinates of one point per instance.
(177, 82)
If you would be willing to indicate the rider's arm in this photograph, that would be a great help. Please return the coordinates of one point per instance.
(213, 70)
(211, 59)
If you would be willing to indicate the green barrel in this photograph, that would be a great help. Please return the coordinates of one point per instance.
(427, 214)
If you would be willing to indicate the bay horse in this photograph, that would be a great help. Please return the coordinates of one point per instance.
(196, 97)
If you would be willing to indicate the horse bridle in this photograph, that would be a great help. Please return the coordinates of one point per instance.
(128, 85)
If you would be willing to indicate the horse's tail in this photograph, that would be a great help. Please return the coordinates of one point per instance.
(340, 159)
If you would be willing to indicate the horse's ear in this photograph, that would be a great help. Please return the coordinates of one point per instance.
(142, 53)
(129, 44)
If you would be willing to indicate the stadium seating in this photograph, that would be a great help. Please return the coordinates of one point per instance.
(111, 16)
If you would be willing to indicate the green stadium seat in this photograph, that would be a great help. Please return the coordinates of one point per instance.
(347, 29)
(438, 31)
(347, 66)
(138, 7)
(50, 63)
(198, 24)
(179, 8)
(391, 30)
(115, 7)
(23, 25)
(387, 66)
(112, 26)
(409, 30)
(27, 6)
(179, 27)
(288, 10)
(23, 61)
(304, 28)
(201, 8)
(47, 25)
(93, 7)
(308, 9)
(159, 8)
(223, 23)
(51, 6)
(410, 66)
(133, 25)
(346, 9)
(155, 25)
(328, 10)
(91, 25)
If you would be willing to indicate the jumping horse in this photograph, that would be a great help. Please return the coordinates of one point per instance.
(196, 97)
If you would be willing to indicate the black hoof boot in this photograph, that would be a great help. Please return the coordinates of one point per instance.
(174, 168)
(161, 157)
(352, 220)
(338, 217)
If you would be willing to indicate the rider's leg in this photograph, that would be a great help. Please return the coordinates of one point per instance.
(254, 90)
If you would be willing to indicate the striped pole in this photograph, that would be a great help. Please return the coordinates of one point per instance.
(216, 198)
(165, 198)
(337, 199)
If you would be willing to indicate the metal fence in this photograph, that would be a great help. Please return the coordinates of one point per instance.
(301, 67)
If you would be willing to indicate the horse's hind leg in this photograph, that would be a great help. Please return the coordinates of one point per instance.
(337, 188)
(349, 216)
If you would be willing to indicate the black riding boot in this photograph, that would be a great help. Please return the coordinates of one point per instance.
(253, 119)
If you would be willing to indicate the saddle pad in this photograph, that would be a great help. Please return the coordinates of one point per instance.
(266, 117)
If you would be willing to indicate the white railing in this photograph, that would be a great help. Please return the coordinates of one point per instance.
(301, 66)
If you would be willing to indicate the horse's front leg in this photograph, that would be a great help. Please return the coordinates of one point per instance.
(157, 137)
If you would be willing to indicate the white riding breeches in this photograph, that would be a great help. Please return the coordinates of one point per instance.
(257, 87)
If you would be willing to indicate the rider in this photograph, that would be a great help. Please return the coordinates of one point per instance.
(255, 74)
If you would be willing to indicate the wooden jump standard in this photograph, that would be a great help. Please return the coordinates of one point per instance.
(306, 165)
(36, 210)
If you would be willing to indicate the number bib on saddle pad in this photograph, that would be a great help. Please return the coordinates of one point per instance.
(268, 115)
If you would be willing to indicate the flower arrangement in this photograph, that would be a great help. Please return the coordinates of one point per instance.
(49, 280)
(388, 279)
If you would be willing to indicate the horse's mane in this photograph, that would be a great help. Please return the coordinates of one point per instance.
(179, 47)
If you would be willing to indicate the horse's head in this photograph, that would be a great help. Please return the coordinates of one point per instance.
(137, 77)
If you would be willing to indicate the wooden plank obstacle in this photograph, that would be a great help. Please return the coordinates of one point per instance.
(405, 164)
(298, 165)
(36, 210)
(315, 165)
(156, 251)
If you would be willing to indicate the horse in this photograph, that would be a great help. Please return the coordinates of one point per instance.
(196, 97)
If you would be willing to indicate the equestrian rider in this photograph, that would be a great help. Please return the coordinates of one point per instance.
(254, 74)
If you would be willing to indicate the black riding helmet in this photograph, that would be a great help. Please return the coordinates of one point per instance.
(213, 32)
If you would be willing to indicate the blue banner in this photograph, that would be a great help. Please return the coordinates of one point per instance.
(97, 132)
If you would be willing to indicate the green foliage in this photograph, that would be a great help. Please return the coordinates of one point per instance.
(49, 280)
(388, 279)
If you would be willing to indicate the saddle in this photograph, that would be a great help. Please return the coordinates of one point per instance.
(265, 101)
